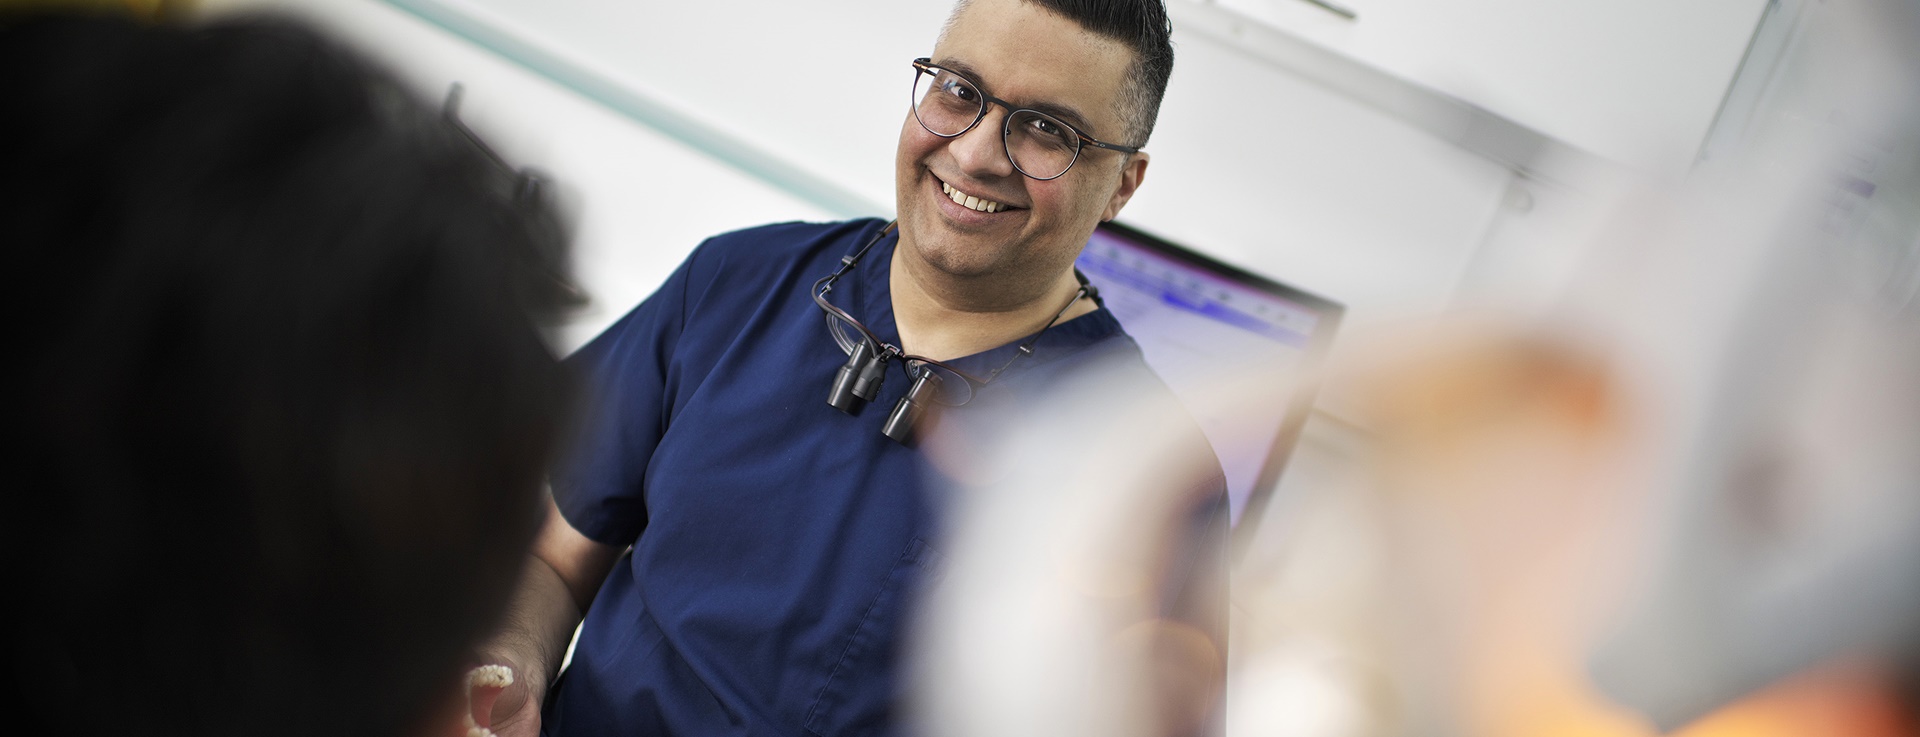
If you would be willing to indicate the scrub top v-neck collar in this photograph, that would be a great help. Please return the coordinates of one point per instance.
(871, 287)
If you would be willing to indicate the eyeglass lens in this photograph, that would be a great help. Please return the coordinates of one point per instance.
(947, 105)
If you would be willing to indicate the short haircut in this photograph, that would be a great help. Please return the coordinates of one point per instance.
(1144, 28)
(279, 407)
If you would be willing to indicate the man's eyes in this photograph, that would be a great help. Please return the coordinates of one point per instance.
(1047, 127)
(960, 89)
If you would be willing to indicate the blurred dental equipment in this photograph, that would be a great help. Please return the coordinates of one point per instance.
(1685, 498)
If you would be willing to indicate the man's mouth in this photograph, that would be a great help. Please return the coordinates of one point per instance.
(971, 202)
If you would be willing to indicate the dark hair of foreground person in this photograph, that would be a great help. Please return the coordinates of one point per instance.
(280, 408)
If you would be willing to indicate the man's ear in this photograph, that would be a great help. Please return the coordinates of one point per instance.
(1131, 174)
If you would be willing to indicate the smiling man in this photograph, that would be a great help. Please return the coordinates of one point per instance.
(745, 554)
(995, 204)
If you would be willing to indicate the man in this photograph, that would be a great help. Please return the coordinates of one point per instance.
(278, 411)
(776, 542)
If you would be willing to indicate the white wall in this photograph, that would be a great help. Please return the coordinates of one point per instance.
(1251, 164)
(758, 111)
(642, 200)
(1634, 81)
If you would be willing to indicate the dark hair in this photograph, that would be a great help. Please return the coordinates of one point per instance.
(278, 411)
(1144, 28)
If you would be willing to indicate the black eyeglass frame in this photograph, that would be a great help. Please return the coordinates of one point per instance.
(527, 183)
(925, 65)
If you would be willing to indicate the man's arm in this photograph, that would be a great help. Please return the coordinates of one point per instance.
(561, 577)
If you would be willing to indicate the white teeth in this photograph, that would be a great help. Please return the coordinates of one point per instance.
(969, 201)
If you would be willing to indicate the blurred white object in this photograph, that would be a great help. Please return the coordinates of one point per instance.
(1757, 335)
(1789, 376)
(1050, 620)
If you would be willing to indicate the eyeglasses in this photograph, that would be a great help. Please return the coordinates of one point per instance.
(526, 190)
(527, 184)
(1041, 146)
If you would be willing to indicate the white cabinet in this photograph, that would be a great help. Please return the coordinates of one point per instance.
(1635, 81)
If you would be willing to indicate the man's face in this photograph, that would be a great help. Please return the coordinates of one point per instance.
(1028, 57)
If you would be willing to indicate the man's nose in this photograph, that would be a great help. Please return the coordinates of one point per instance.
(982, 150)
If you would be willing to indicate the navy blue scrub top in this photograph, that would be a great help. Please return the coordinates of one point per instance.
(776, 540)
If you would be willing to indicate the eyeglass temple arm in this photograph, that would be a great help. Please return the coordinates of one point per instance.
(1096, 143)
(527, 183)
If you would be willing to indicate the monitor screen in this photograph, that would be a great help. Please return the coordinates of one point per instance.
(1196, 321)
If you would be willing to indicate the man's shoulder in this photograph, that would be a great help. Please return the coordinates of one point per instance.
(1095, 343)
(780, 243)
(769, 257)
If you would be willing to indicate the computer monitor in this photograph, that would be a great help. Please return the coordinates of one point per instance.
(1197, 320)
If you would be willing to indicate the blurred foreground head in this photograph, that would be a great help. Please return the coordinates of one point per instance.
(279, 409)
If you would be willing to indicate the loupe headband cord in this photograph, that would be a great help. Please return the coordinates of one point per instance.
(1025, 349)
(820, 290)
(825, 285)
